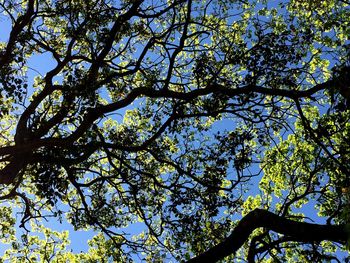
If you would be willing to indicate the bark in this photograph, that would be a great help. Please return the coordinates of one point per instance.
(299, 231)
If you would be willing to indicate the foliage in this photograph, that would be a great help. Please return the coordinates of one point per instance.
(175, 119)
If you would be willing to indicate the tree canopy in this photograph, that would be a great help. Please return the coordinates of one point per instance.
(178, 130)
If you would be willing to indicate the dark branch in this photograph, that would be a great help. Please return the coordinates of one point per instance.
(300, 231)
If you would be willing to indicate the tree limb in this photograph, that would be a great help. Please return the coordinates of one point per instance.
(300, 231)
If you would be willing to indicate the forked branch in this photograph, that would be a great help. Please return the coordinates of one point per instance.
(299, 231)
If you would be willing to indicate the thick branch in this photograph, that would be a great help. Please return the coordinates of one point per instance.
(17, 29)
(300, 231)
(97, 112)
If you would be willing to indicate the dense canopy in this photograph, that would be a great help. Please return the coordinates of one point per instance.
(178, 130)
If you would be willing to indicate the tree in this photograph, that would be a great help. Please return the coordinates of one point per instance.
(222, 127)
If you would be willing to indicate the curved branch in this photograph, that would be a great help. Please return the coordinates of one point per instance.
(97, 112)
(300, 231)
(17, 29)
